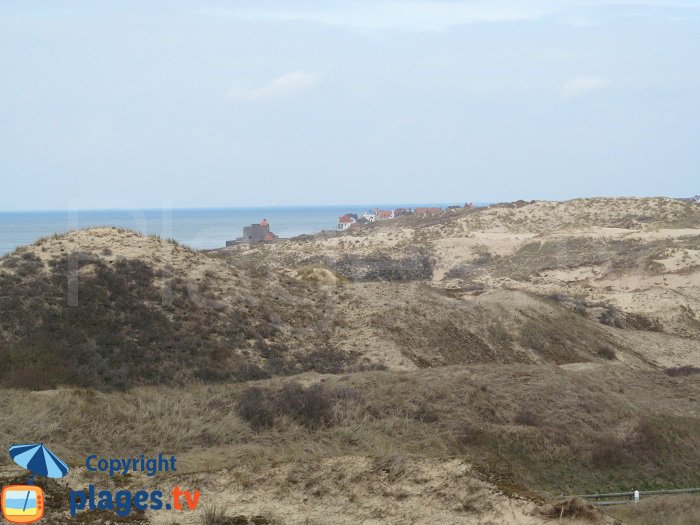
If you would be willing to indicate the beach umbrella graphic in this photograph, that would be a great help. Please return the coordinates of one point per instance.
(39, 460)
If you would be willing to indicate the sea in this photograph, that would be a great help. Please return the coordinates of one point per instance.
(204, 228)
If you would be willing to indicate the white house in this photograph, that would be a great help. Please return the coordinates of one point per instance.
(369, 217)
(345, 221)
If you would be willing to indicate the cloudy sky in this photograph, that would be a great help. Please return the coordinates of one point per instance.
(110, 104)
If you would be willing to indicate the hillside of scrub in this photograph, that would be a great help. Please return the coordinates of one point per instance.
(109, 308)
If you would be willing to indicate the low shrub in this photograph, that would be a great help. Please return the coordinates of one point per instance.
(606, 352)
(527, 418)
(311, 406)
(681, 371)
(254, 406)
(608, 452)
(472, 433)
(425, 412)
(642, 438)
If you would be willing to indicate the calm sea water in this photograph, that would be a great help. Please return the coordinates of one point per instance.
(198, 228)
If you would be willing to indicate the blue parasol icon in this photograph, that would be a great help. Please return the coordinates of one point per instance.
(39, 460)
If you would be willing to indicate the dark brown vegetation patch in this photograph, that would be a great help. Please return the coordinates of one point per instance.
(412, 266)
(607, 314)
(615, 450)
(682, 371)
(310, 406)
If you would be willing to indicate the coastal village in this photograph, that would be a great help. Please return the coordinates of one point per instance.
(353, 219)
(261, 232)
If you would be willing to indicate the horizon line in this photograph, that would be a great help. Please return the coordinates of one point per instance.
(338, 205)
(266, 207)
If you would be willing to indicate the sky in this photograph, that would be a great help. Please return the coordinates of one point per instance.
(213, 103)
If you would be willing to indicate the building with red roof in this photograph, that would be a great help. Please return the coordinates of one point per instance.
(345, 221)
(258, 232)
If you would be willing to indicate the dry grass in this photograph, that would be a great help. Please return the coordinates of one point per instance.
(554, 445)
(661, 510)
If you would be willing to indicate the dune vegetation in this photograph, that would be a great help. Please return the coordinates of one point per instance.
(473, 367)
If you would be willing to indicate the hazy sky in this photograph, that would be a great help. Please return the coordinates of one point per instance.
(110, 104)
